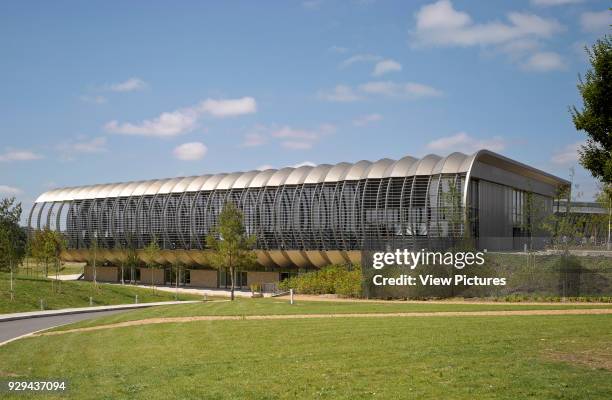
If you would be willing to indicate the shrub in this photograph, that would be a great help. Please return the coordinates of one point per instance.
(334, 279)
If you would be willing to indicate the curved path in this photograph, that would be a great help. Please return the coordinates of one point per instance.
(167, 320)
(11, 330)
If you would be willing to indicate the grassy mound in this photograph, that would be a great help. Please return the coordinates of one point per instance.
(55, 295)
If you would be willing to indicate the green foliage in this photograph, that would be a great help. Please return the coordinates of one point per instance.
(47, 246)
(13, 238)
(151, 253)
(595, 119)
(333, 279)
(230, 246)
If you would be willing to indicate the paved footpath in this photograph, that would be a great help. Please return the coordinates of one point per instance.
(16, 325)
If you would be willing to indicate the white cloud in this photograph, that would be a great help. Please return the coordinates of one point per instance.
(550, 3)
(19, 155)
(386, 66)
(304, 164)
(598, 21)
(341, 93)
(190, 151)
(82, 145)
(440, 24)
(367, 119)
(301, 139)
(253, 139)
(543, 62)
(184, 120)
(10, 190)
(359, 58)
(394, 89)
(465, 143)
(167, 124)
(567, 155)
(130, 85)
(228, 108)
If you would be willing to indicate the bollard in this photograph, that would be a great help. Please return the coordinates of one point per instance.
(291, 296)
(205, 298)
(42, 307)
(90, 301)
(136, 302)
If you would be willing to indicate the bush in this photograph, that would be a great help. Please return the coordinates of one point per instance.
(334, 279)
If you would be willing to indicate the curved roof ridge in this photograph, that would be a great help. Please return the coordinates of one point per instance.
(430, 164)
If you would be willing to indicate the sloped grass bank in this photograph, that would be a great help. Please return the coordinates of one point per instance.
(30, 290)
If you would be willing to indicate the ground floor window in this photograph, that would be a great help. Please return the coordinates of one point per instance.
(287, 275)
(225, 280)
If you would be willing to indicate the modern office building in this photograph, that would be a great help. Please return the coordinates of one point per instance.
(306, 217)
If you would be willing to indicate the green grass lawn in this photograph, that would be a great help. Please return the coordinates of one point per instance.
(29, 290)
(518, 357)
(281, 306)
(31, 266)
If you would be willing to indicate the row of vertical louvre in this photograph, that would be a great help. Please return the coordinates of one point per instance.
(315, 216)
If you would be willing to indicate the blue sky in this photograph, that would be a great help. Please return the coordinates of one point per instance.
(96, 92)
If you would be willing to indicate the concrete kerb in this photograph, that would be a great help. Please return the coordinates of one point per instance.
(80, 310)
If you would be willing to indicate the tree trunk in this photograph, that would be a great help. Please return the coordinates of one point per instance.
(95, 278)
(233, 279)
(177, 281)
(608, 244)
(11, 267)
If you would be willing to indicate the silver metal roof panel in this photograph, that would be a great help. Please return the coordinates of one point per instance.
(377, 170)
(212, 182)
(358, 170)
(245, 179)
(450, 164)
(317, 174)
(280, 176)
(337, 172)
(424, 166)
(197, 183)
(262, 178)
(228, 180)
(297, 176)
(400, 168)
(183, 184)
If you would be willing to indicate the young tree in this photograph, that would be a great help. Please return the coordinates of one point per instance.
(151, 252)
(12, 237)
(231, 246)
(47, 246)
(93, 258)
(605, 199)
(595, 119)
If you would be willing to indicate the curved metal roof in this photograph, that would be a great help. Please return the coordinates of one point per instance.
(385, 168)
(450, 164)
(377, 169)
(358, 170)
(280, 176)
(337, 172)
(297, 176)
